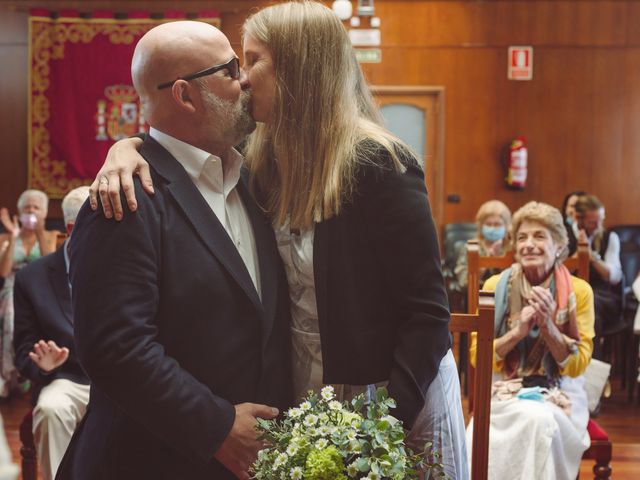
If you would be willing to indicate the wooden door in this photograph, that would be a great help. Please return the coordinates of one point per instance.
(416, 115)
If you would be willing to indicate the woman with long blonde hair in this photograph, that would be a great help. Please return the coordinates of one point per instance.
(349, 206)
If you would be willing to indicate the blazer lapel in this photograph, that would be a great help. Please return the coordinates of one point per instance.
(60, 282)
(200, 215)
(320, 265)
(268, 256)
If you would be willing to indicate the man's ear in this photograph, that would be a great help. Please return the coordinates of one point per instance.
(183, 95)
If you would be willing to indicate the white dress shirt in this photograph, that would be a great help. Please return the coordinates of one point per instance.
(216, 181)
(611, 258)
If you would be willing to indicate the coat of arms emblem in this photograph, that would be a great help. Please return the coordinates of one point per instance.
(120, 116)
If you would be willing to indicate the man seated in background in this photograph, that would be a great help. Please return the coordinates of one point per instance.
(605, 270)
(45, 352)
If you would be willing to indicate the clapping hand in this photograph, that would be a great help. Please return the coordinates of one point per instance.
(544, 305)
(48, 356)
(11, 226)
(495, 249)
(527, 320)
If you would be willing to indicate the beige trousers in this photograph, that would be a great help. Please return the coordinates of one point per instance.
(61, 405)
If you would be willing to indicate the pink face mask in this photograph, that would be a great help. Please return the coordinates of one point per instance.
(28, 221)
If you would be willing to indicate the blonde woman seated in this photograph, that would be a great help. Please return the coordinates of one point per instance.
(493, 221)
(544, 332)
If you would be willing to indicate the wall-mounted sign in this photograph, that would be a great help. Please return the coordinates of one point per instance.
(369, 55)
(365, 37)
(520, 63)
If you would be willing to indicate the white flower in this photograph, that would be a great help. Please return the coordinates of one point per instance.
(335, 405)
(280, 460)
(294, 412)
(292, 449)
(327, 393)
(322, 444)
(296, 473)
(312, 432)
(373, 476)
(352, 469)
(351, 434)
(304, 406)
(355, 446)
(324, 431)
(311, 420)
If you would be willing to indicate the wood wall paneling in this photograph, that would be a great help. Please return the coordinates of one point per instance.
(581, 112)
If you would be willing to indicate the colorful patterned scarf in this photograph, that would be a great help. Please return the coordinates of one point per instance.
(531, 355)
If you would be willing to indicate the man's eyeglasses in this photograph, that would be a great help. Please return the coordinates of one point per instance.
(233, 66)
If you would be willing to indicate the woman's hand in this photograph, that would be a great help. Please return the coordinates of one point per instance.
(495, 249)
(12, 227)
(544, 305)
(123, 161)
(527, 321)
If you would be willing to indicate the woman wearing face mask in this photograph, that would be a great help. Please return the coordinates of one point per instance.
(569, 217)
(26, 239)
(493, 220)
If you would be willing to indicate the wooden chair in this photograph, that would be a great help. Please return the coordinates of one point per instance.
(28, 449)
(601, 447)
(480, 391)
(60, 239)
(579, 263)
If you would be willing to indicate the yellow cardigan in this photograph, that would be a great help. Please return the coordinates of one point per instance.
(585, 317)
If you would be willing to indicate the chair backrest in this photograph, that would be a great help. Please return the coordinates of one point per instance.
(60, 239)
(455, 235)
(578, 263)
(480, 385)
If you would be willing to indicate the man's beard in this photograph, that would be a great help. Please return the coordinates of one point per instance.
(230, 121)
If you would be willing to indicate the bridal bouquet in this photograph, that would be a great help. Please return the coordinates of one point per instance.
(324, 439)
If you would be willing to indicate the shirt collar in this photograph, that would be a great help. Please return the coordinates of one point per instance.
(194, 159)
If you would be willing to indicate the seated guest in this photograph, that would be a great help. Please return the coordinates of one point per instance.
(44, 346)
(493, 220)
(543, 335)
(636, 323)
(26, 239)
(569, 217)
(605, 270)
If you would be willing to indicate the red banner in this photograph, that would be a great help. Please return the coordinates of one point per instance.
(81, 98)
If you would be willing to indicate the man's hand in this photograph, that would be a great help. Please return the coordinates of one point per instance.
(240, 449)
(48, 356)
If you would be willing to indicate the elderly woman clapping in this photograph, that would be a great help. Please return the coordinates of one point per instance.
(544, 340)
(26, 240)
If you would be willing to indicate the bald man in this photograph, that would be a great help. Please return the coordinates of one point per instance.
(181, 309)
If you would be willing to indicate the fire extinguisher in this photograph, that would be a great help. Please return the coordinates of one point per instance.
(516, 178)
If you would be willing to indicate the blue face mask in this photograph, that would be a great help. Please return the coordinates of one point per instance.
(493, 234)
(568, 221)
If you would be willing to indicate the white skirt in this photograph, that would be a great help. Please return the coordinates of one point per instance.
(537, 440)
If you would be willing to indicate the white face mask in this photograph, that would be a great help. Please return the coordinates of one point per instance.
(28, 221)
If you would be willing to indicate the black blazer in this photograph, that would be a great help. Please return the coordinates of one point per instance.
(382, 304)
(172, 332)
(42, 303)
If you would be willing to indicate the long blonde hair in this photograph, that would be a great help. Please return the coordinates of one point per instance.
(302, 164)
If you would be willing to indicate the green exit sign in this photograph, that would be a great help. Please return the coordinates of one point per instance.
(369, 55)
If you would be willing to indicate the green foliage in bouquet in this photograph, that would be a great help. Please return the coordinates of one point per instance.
(324, 439)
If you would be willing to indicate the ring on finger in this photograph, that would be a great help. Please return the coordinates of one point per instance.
(104, 180)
